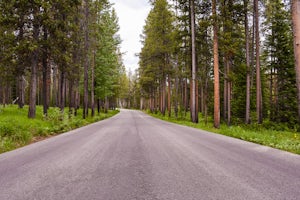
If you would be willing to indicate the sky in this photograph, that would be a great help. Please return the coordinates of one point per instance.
(132, 15)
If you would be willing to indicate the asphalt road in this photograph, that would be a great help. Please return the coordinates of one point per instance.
(135, 157)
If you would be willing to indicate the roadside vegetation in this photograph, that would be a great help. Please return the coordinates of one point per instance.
(265, 134)
(17, 130)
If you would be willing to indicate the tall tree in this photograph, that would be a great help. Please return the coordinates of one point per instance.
(34, 60)
(280, 63)
(296, 35)
(86, 59)
(155, 58)
(248, 78)
(258, 74)
(216, 67)
(194, 82)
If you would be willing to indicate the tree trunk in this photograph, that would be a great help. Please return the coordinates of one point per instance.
(228, 92)
(176, 95)
(248, 78)
(98, 106)
(258, 76)
(169, 95)
(86, 61)
(21, 91)
(186, 106)
(106, 104)
(20, 80)
(55, 87)
(62, 91)
(92, 85)
(46, 80)
(296, 34)
(194, 90)
(34, 68)
(71, 97)
(216, 68)
(225, 91)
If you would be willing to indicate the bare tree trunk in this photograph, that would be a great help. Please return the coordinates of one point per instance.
(248, 78)
(20, 79)
(55, 87)
(163, 99)
(225, 92)
(296, 34)
(34, 68)
(62, 91)
(71, 97)
(216, 68)
(228, 82)
(194, 91)
(98, 106)
(258, 76)
(185, 96)
(21, 91)
(92, 85)
(46, 81)
(106, 105)
(176, 95)
(86, 61)
(169, 95)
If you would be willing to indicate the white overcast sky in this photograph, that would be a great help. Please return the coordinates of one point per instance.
(132, 15)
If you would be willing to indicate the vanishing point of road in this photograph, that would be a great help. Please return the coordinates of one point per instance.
(133, 156)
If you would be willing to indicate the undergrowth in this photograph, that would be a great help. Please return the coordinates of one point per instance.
(16, 130)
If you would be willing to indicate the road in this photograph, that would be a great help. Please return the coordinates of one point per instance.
(133, 156)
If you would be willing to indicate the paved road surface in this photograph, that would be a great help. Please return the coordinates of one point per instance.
(135, 157)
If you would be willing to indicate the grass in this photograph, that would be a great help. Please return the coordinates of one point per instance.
(16, 130)
(287, 140)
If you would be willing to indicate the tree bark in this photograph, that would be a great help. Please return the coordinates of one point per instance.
(86, 60)
(21, 91)
(216, 68)
(296, 35)
(194, 90)
(34, 67)
(92, 85)
(258, 76)
(248, 78)
(46, 80)
(62, 91)
(169, 96)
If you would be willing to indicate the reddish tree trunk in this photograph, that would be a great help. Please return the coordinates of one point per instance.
(216, 69)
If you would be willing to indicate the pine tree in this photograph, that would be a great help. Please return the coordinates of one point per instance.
(279, 55)
(296, 34)
(156, 53)
(216, 68)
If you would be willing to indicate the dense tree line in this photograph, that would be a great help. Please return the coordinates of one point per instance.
(230, 59)
(59, 53)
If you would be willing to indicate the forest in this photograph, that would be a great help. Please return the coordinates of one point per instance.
(226, 61)
(234, 62)
(60, 54)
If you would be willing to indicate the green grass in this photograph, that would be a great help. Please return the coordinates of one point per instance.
(16, 130)
(287, 140)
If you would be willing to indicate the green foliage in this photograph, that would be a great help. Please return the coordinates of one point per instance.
(17, 130)
(279, 61)
(158, 46)
(108, 66)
